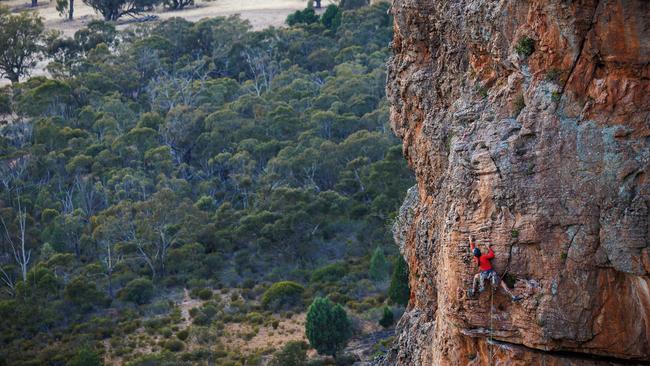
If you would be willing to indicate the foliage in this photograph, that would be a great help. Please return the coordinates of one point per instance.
(294, 353)
(202, 155)
(177, 4)
(139, 291)
(399, 291)
(306, 16)
(525, 46)
(174, 345)
(353, 4)
(282, 295)
(387, 317)
(112, 10)
(20, 49)
(331, 18)
(329, 273)
(85, 357)
(378, 266)
(327, 327)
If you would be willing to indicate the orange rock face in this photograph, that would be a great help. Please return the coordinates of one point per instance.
(527, 124)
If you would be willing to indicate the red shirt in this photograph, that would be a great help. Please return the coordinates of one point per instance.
(484, 260)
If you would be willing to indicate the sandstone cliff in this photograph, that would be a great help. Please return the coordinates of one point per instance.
(527, 124)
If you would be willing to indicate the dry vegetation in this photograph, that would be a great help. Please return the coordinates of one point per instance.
(261, 13)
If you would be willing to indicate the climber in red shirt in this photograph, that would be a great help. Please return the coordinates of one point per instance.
(486, 271)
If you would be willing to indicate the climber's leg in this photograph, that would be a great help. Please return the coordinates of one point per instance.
(475, 283)
(481, 280)
(507, 290)
(477, 279)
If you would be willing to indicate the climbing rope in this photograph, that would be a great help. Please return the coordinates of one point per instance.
(490, 343)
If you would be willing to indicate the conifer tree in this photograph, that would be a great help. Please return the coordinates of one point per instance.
(328, 327)
(378, 266)
(399, 291)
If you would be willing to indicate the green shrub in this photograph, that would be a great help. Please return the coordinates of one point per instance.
(399, 291)
(327, 327)
(387, 318)
(174, 345)
(182, 334)
(306, 16)
(525, 46)
(378, 266)
(282, 295)
(205, 294)
(353, 4)
(139, 291)
(331, 18)
(255, 318)
(85, 357)
(293, 353)
(330, 273)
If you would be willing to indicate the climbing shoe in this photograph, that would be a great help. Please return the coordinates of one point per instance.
(516, 298)
(470, 293)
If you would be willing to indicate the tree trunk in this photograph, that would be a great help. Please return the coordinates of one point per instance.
(318, 4)
(34, 3)
(110, 284)
(71, 11)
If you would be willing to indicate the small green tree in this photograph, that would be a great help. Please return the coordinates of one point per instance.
(284, 294)
(139, 291)
(82, 293)
(20, 49)
(331, 18)
(353, 4)
(112, 10)
(328, 327)
(293, 353)
(399, 291)
(85, 357)
(378, 266)
(387, 318)
(306, 16)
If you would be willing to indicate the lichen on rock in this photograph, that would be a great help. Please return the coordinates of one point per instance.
(527, 124)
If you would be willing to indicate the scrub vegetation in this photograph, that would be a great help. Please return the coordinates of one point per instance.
(180, 193)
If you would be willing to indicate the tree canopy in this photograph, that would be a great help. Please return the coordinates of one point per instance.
(249, 170)
(20, 46)
(327, 327)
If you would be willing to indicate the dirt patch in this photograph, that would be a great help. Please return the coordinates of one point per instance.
(261, 13)
(186, 305)
(240, 336)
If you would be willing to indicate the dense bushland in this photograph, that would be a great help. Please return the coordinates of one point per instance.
(199, 156)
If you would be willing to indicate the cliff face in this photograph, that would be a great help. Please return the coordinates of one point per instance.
(527, 124)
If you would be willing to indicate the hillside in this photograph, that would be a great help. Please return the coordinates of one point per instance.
(180, 193)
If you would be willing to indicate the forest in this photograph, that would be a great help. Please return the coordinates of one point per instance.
(175, 190)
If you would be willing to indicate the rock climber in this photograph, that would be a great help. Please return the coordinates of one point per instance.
(486, 271)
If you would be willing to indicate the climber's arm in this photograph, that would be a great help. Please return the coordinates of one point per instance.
(490, 254)
(471, 243)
